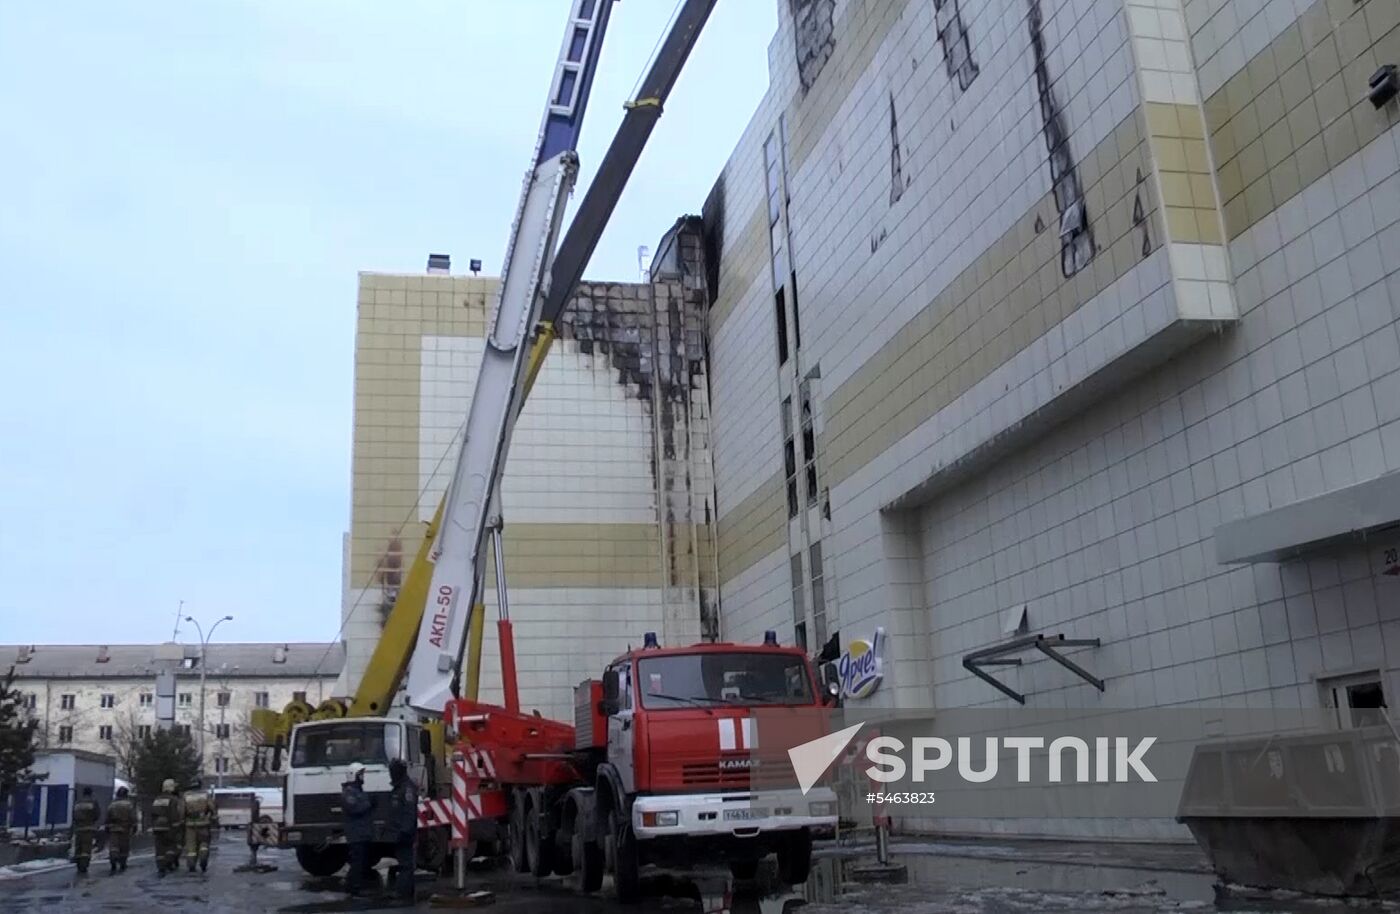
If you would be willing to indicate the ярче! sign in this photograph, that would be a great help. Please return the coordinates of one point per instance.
(859, 668)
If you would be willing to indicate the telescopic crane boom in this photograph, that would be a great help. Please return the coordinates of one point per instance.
(385, 672)
(535, 286)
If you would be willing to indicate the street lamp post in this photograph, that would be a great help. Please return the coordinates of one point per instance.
(203, 674)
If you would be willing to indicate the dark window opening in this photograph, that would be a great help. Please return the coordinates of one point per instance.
(809, 445)
(799, 607)
(789, 459)
(796, 316)
(780, 311)
(818, 593)
(1359, 701)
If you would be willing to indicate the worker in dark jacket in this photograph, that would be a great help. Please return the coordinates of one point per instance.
(403, 821)
(357, 807)
(86, 817)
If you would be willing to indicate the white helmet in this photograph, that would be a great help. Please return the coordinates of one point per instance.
(356, 770)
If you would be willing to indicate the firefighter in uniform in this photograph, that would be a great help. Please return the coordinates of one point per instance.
(121, 825)
(86, 815)
(167, 825)
(200, 819)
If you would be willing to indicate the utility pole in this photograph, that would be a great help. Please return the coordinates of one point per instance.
(203, 673)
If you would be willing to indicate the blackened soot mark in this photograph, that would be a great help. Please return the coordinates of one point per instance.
(957, 49)
(896, 158)
(1076, 235)
(1140, 217)
(712, 236)
(814, 36)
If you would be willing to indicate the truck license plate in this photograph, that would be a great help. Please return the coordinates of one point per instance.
(743, 815)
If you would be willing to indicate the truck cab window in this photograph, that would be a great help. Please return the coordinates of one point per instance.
(343, 743)
(739, 678)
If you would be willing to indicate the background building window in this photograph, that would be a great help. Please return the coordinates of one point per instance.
(224, 698)
(221, 731)
(147, 699)
(260, 699)
(104, 732)
(220, 764)
(143, 731)
(31, 701)
(65, 734)
(109, 700)
(182, 729)
(67, 702)
(186, 699)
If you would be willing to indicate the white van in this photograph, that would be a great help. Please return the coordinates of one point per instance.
(234, 806)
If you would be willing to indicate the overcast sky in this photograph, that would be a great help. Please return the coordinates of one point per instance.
(189, 190)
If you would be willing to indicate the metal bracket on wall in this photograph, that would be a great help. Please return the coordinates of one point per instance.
(998, 655)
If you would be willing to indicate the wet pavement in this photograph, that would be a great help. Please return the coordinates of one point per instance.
(964, 877)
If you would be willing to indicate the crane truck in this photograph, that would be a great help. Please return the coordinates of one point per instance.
(657, 765)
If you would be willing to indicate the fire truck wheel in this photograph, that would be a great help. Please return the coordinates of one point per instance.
(743, 869)
(588, 862)
(322, 861)
(561, 855)
(537, 844)
(518, 861)
(626, 880)
(433, 850)
(795, 857)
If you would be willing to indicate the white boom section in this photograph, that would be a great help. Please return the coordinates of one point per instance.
(457, 554)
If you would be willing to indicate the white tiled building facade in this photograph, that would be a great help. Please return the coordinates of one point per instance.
(1090, 307)
(99, 698)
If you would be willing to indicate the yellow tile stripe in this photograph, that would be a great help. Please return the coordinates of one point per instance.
(1298, 110)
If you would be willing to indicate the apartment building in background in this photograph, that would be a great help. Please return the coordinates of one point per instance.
(1067, 317)
(607, 495)
(99, 698)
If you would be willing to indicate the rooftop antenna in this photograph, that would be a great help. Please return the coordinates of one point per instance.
(179, 614)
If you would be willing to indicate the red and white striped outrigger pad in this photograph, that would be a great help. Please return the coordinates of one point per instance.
(479, 764)
(432, 813)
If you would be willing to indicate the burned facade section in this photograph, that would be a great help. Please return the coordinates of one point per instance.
(957, 47)
(1076, 234)
(897, 180)
(712, 238)
(814, 35)
(652, 337)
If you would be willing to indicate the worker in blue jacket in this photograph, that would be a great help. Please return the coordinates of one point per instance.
(358, 809)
